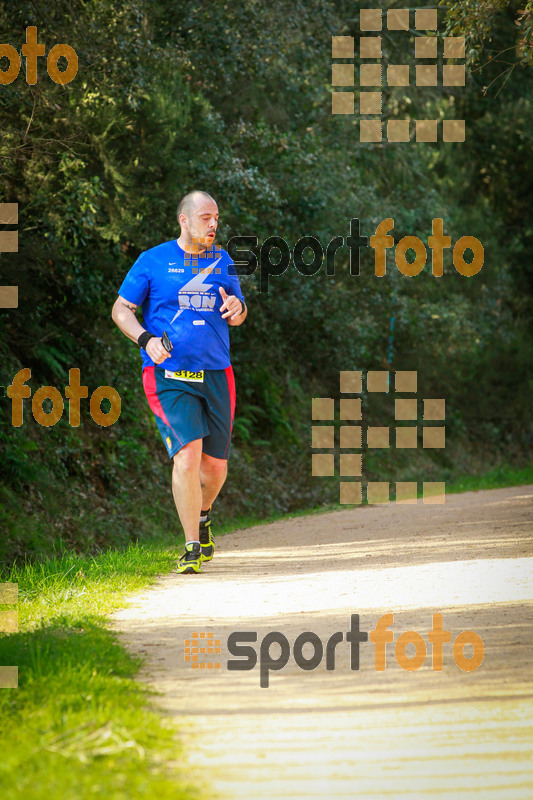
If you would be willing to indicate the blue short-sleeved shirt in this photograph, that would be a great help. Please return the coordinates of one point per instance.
(179, 293)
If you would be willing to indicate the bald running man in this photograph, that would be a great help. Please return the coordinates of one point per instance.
(188, 290)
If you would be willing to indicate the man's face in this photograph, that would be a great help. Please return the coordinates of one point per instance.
(202, 224)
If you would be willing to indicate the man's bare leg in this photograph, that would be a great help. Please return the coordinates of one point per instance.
(187, 489)
(213, 472)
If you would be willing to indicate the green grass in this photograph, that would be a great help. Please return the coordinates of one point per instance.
(496, 478)
(79, 725)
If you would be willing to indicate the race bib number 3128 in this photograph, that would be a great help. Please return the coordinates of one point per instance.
(185, 375)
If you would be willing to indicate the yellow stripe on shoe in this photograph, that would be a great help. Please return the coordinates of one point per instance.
(191, 561)
(207, 542)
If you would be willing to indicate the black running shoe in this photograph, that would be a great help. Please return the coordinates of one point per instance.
(207, 542)
(191, 560)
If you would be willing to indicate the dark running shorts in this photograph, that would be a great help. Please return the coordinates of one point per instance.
(186, 410)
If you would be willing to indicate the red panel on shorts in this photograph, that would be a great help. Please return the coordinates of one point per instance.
(231, 387)
(150, 390)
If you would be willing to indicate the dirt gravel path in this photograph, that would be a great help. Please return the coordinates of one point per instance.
(347, 733)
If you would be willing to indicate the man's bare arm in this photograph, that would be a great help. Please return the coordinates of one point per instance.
(123, 315)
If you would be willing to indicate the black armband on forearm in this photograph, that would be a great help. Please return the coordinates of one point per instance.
(144, 338)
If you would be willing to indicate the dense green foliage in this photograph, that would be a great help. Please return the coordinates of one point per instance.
(234, 98)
